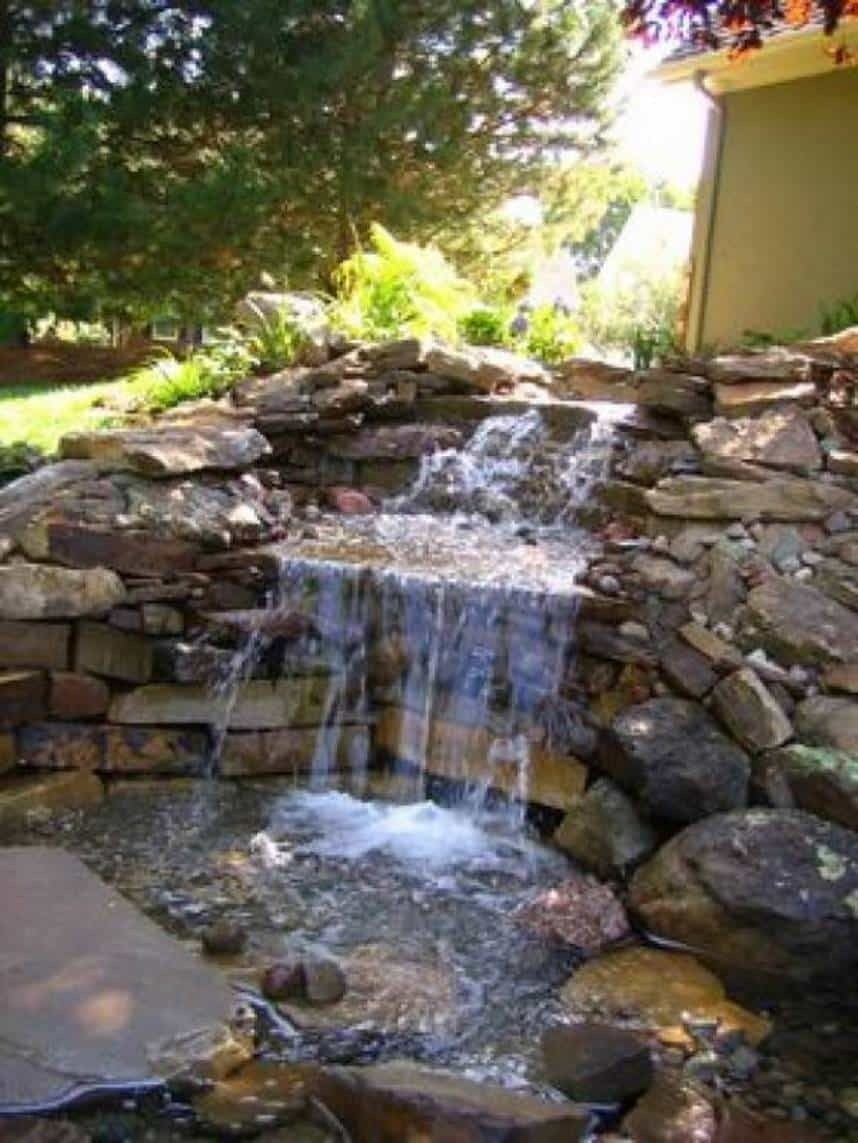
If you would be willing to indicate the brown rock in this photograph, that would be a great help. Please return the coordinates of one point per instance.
(161, 619)
(294, 751)
(828, 721)
(23, 795)
(392, 1102)
(258, 1095)
(36, 591)
(483, 369)
(776, 364)
(844, 463)
(284, 981)
(748, 398)
(104, 650)
(779, 438)
(324, 981)
(708, 498)
(22, 697)
(8, 751)
(135, 552)
(77, 696)
(596, 1063)
(580, 912)
(798, 624)
(842, 678)
(395, 442)
(813, 778)
(223, 938)
(746, 707)
(28, 1129)
(167, 451)
(770, 891)
(112, 749)
(604, 832)
(839, 580)
(258, 705)
(672, 1111)
(34, 645)
(350, 502)
(657, 989)
(687, 670)
(720, 654)
(663, 576)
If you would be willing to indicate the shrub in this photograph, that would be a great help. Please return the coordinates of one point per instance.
(209, 372)
(552, 335)
(276, 340)
(486, 325)
(639, 316)
(398, 287)
(841, 315)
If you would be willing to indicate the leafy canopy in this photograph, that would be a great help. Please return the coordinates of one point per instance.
(160, 154)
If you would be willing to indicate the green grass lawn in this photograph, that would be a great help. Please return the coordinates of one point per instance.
(38, 415)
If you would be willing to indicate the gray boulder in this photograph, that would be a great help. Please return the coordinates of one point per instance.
(673, 756)
(774, 891)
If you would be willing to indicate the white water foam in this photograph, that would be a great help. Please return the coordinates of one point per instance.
(425, 838)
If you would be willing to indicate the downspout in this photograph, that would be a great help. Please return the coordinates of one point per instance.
(702, 247)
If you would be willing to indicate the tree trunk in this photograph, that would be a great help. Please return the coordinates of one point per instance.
(5, 65)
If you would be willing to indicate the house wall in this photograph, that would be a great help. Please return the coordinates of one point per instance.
(783, 238)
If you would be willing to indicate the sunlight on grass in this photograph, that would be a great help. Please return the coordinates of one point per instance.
(38, 415)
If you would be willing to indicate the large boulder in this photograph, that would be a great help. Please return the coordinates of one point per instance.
(798, 624)
(674, 757)
(772, 891)
(483, 369)
(167, 451)
(34, 591)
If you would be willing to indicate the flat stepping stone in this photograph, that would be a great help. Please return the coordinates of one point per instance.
(92, 992)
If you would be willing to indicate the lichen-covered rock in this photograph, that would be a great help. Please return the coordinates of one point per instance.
(813, 778)
(750, 712)
(769, 890)
(672, 755)
(36, 591)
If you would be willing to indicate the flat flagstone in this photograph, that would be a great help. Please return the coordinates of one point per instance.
(91, 991)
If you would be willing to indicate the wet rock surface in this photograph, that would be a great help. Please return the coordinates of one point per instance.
(772, 890)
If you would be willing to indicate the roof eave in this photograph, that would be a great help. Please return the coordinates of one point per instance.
(790, 55)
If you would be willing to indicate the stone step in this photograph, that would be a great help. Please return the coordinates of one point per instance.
(257, 705)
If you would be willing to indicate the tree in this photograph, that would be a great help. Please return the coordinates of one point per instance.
(742, 25)
(160, 154)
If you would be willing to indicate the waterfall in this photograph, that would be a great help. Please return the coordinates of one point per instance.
(445, 624)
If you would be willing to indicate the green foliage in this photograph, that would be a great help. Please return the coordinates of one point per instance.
(157, 156)
(552, 336)
(486, 325)
(638, 317)
(276, 341)
(840, 315)
(209, 372)
(395, 287)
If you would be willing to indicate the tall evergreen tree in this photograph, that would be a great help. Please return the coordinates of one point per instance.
(161, 154)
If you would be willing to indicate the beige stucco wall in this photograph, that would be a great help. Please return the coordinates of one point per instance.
(784, 236)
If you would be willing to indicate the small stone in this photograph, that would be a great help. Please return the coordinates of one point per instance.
(608, 585)
(804, 575)
(223, 938)
(744, 1061)
(324, 981)
(737, 531)
(284, 981)
(596, 1063)
(632, 630)
(811, 558)
(837, 522)
(789, 565)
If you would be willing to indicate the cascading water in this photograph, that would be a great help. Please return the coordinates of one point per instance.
(446, 622)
